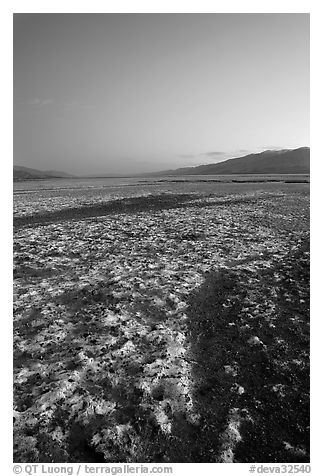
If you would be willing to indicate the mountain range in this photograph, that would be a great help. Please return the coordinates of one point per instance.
(285, 161)
(26, 173)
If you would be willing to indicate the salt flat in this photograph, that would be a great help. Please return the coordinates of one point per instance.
(161, 329)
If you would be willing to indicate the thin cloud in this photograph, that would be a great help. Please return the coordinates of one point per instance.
(36, 102)
(45, 102)
(274, 147)
(202, 154)
(33, 102)
(211, 154)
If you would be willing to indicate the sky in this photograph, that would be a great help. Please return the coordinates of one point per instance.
(130, 93)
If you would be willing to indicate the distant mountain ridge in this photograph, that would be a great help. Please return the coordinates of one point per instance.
(286, 161)
(26, 173)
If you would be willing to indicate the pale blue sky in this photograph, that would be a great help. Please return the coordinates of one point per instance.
(125, 93)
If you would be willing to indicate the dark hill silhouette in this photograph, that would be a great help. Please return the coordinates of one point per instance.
(285, 161)
(26, 173)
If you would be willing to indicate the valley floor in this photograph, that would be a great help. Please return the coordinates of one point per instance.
(167, 328)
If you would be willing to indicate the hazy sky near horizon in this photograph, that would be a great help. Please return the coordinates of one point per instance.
(124, 93)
